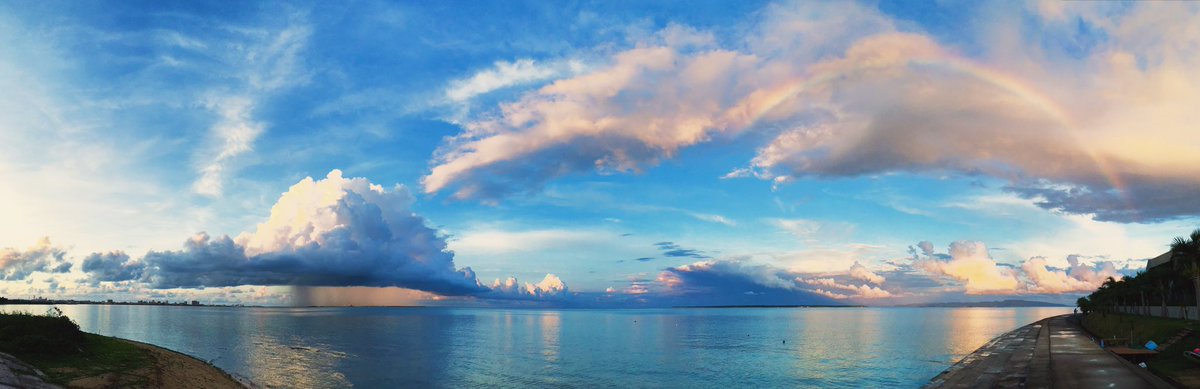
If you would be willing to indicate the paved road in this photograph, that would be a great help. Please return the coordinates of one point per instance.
(1051, 353)
(1077, 362)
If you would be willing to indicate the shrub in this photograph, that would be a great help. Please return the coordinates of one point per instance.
(26, 334)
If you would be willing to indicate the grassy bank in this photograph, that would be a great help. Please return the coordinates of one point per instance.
(69, 357)
(1170, 362)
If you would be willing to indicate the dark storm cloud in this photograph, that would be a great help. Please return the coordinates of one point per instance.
(112, 266)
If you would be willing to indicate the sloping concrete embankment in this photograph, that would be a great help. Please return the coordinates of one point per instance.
(17, 374)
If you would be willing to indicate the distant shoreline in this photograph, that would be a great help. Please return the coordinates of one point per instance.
(989, 304)
(980, 304)
(768, 306)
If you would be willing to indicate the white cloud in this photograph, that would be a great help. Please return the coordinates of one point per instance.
(711, 218)
(551, 287)
(504, 74)
(235, 133)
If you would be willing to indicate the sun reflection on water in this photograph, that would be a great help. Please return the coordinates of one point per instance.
(365, 347)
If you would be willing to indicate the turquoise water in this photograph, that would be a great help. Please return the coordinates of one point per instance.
(453, 348)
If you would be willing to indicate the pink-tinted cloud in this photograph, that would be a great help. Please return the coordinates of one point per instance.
(44, 256)
(842, 91)
(970, 265)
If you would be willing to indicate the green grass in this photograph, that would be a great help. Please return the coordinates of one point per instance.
(1170, 362)
(57, 347)
(101, 355)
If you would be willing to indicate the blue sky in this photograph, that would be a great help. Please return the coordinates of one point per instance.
(639, 153)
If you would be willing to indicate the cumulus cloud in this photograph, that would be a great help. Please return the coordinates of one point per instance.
(550, 288)
(1078, 278)
(45, 257)
(330, 232)
(841, 91)
(333, 232)
(860, 272)
(113, 266)
(969, 264)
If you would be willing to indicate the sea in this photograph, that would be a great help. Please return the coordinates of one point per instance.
(368, 347)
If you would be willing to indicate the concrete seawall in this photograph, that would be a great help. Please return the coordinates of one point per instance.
(1050, 353)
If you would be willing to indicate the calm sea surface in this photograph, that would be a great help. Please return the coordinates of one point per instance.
(451, 347)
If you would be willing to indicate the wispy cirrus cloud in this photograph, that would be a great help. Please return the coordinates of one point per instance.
(264, 62)
(504, 74)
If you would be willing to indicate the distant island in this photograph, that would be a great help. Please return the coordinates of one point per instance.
(988, 304)
(768, 306)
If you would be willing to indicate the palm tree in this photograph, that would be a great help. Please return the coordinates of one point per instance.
(1106, 296)
(1139, 285)
(1185, 255)
(1163, 284)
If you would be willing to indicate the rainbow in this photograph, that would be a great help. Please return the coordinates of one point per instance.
(761, 103)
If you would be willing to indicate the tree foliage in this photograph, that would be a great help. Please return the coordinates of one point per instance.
(1174, 285)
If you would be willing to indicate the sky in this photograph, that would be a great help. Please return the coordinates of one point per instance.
(592, 154)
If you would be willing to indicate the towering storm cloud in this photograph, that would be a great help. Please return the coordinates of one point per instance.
(332, 232)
